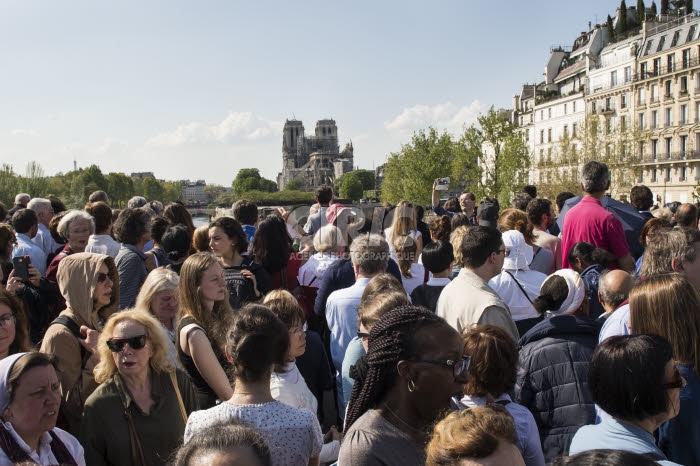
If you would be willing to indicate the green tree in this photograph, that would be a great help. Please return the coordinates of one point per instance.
(249, 179)
(352, 187)
(33, 182)
(664, 7)
(172, 191)
(653, 9)
(502, 158)
(120, 189)
(622, 23)
(641, 12)
(366, 177)
(294, 185)
(9, 185)
(213, 191)
(611, 30)
(152, 190)
(409, 173)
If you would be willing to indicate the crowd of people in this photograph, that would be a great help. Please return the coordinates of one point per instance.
(460, 333)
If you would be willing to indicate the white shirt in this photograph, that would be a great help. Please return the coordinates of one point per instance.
(290, 388)
(417, 278)
(616, 324)
(387, 235)
(45, 456)
(511, 294)
(44, 240)
(315, 267)
(103, 244)
(341, 315)
(525, 426)
(293, 435)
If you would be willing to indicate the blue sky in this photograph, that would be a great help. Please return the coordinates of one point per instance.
(199, 90)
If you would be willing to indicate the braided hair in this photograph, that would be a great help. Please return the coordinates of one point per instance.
(391, 340)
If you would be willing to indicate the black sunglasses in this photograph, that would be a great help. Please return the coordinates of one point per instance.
(102, 277)
(362, 335)
(116, 345)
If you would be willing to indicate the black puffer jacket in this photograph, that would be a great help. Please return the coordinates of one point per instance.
(553, 379)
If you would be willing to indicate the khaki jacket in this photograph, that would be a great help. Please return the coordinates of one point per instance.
(468, 300)
(77, 278)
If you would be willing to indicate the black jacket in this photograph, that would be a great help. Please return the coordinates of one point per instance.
(552, 379)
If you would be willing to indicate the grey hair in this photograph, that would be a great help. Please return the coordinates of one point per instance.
(612, 297)
(39, 204)
(136, 202)
(21, 196)
(666, 246)
(370, 253)
(594, 177)
(67, 219)
(328, 239)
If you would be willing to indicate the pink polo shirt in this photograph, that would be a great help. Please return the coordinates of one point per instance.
(588, 221)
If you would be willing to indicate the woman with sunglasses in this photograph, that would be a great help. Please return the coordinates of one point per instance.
(415, 365)
(30, 394)
(668, 305)
(646, 396)
(553, 363)
(90, 284)
(137, 415)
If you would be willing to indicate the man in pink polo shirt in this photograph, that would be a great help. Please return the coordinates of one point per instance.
(589, 221)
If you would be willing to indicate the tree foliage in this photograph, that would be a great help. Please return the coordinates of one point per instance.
(366, 177)
(664, 7)
(249, 179)
(641, 12)
(653, 9)
(294, 185)
(597, 140)
(611, 30)
(351, 187)
(622, 22)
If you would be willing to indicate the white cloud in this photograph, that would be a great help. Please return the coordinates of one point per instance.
(447, 116)
(24, 132)
(236, 126)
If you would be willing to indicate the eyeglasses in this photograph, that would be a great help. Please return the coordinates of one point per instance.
(362, 335)
(505, 251)
(102, 277)
(677, 382)
(7, 320)
(116, 345)
(458, 366)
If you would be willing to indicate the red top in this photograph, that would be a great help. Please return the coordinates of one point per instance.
(588, 221)
(295, 262)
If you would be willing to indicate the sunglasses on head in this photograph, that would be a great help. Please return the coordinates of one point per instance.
(116, 345)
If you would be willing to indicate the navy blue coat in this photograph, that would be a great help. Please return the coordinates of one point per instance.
(552, 379)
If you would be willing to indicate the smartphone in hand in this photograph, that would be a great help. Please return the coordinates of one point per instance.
(21, 266)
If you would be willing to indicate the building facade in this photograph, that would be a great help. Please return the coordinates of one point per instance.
(313, 160)
(193, 191)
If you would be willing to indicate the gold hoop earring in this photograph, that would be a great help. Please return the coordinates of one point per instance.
(411, 386)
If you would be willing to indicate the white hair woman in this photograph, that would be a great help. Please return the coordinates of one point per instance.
(159, 297)
(75, 227)
(137, 416)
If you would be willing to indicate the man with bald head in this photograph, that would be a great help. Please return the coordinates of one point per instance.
(613, 289)
(687, 215)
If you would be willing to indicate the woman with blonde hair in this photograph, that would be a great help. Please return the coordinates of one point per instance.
(200, 239)
(456, 238)
(404, 224)
(159, 297)
(514, 219)
(667, 305)
(412, 273)
(202, 325)
(137, 416)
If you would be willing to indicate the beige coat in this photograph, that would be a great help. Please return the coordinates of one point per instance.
(469, 300)
(77, 278)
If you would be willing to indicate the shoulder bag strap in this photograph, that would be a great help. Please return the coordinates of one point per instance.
(136, 450)
(537, 251)
(173, 379)
(60, 451)
(520, 286)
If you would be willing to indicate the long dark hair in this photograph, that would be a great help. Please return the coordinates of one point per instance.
(272, 244)
(391, 340)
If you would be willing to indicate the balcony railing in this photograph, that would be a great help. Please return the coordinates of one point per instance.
(664, 70)
(673, 157)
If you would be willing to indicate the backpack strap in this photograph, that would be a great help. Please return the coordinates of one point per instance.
(74, 328)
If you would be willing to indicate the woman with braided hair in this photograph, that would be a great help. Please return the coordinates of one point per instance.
(415, 364)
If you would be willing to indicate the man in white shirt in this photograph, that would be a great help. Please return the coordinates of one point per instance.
(26, 226)
(44, 213)
(102, 242)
